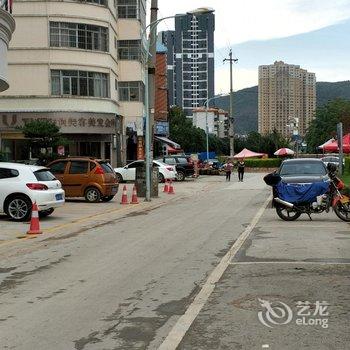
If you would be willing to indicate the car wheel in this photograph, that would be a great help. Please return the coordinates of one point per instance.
(180, 176)
(45, 213)
(19, 208)
(161, 178)
(119, 178)
(92, 195)
(287, 214)
(107, 198)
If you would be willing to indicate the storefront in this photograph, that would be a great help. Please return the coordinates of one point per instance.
(88, 134)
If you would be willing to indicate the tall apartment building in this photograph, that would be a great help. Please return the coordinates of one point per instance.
(190, 61)
(79, 64)
(7, 26)
(286, 92)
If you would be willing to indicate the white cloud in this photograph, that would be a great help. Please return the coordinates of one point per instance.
(242, 78)
(247, 20)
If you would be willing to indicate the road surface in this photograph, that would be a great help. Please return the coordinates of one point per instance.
(184, 273)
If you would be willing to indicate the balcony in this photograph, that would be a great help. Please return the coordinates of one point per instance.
(7, 27)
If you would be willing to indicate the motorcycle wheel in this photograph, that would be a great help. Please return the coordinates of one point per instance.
(342, 211)
(287, 214)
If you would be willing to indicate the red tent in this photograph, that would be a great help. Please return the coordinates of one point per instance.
(333, 146)
(246, 153)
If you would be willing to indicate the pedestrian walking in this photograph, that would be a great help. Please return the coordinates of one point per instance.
(228, 170)
(240, 169)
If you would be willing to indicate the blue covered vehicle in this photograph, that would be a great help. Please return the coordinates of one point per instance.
(307, 186)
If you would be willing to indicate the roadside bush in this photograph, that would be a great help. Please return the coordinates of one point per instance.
(347, 165)
(263, 163)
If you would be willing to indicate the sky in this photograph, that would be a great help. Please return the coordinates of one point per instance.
(311, 33)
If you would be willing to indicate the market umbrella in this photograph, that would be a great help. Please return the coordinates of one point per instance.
(326, 143)
(246, 153)
(282, 152)
(333, 147)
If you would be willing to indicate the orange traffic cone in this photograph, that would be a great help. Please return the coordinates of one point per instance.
(134, 199)
(171, 188)
(166, 187)
(34, 221)
(124, 196)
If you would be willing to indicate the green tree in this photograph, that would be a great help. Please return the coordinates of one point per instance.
(261, 143)
(191, 138)
(324, 126)
(43, 134)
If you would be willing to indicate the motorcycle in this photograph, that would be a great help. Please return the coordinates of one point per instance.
(334, 198)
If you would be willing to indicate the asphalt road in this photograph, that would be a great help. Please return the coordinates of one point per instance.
(126, 280)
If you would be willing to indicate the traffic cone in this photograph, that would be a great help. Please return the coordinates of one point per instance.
(124, 196)
(34, 221)
(171, 188)
(166, 187)
(134, 199)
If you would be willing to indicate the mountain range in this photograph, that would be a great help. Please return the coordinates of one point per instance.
(246, 103)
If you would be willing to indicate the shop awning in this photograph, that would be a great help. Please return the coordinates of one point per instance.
(173, 144)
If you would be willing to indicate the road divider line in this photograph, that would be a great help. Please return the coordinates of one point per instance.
(300, 262)
(183, 324)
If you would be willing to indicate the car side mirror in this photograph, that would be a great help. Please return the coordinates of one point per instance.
(272, 179)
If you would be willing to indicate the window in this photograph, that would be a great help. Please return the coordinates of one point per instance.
(170, 161)
(58, 168)
(81, 36)
(97, 2)
(79, 167)
(131, 91)
(79, 83)
(44, 175)
(129, 49)
(135, 165)
(127, 8)
(8, 173)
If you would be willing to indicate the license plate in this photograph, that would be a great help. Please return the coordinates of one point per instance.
(59, 197)
(114, 190)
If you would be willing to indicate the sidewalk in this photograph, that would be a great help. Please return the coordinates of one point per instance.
(292, 263)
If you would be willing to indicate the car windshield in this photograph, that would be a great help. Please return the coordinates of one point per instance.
(44, 175)
(303, 168)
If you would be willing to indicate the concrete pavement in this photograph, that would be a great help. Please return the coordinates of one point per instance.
(124, 281)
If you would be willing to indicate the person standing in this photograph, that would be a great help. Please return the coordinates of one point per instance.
(228, 169)
(240, 169)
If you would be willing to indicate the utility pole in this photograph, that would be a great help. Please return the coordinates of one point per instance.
(150, 96)
(231, 119)
(340, 146)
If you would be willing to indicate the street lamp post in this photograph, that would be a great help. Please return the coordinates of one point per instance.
(294, 126)
(206, 106)
(148, 134)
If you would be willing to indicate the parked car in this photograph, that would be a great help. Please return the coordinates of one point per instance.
(183, 164)
(86, 177)
(21, 185)
(332, 159)
(128, 173)
(303, 170)
(213, 163)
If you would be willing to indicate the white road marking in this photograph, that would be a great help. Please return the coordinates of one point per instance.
(289, 263)
(181, 327)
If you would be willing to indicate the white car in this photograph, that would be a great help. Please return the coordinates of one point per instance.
(128, 173)
(21, 185)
